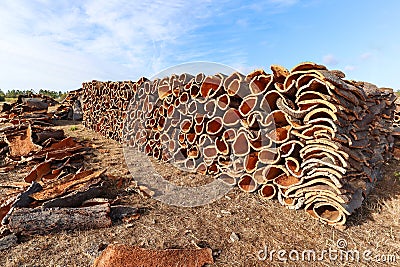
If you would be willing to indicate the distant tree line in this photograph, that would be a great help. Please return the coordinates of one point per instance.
(15, 93)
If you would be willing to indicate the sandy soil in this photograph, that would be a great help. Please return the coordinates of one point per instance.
(258, 224)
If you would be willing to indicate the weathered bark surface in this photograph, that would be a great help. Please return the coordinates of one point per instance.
(8, 242)
(33, 104)
(118, 255)
(75, 198)
(27, 221)
(119, 212)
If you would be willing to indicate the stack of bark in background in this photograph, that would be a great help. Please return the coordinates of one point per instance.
(71, 107)
(105, 105)
(307, 136)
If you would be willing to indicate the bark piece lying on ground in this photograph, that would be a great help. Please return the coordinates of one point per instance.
(118, 255)
(38, 172)
(33, 104)
(24, 200)
(62, 186)
(27, 221)
(22, 145)
(75, 198)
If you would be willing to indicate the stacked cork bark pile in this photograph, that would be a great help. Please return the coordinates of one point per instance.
(396, 130)
(307, 137)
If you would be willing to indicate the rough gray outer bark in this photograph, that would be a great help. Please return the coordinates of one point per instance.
(25, 221)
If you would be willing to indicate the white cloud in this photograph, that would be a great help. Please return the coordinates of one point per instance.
(330, 60)
(59, 44)
(349, 68)
(283, 2)
(366, 56)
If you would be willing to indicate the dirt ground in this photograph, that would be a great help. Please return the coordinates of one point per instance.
(260, 225)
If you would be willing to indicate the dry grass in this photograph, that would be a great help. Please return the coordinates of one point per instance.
(258, 223)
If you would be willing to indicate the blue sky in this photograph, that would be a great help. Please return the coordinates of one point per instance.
(58, 44)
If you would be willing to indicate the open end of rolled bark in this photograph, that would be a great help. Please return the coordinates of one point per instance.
(222, 146)
(309, 96)
(260, 84)
(210, 86)
(184, 97)
(164, 90)
(269, 155)
(320, 113)
(315, 85)
(140, 92)
(164, 138)
(172, 145)
(251, 162)
(273, 171)
(199, 78)
(267, 191)
(227, 178)
(231, 117)
(293, 166)
(148, 149)
(170, 111)
(313, 131)
(147, 87)
(193, 152)
(258, 175)
(186, 125)
(210, 108)
(238, 88)
(190, 164)
(247, 183)
(279, 135)
(181, 139)
(268, 103)
(291, 148)
(199, 118)
(192, 108)
(198, 129)
(248, 104)
(176, 103)
(285, 181)
(161, 123)
(224, 162)
(214, 126)
(277, 118)
(223, 101)
(241, 145)
(229, 135)
(210, 152)
(191, 137)
(194, 90)
(213, 168)
(185, 78)
(325, 212)
(234, 76)
(202, 168)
